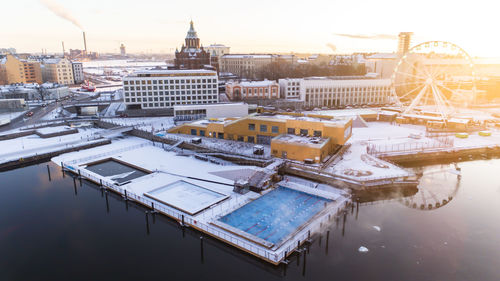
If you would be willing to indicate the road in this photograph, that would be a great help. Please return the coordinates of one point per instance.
(40, 112)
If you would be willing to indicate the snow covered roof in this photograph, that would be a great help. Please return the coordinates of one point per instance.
(248, 56)
(52, 60)
(179, 72)
(349, 82)
(218, 46)
(304, 140)
(191, 32)
(383, 56)
(304, 118)
(264, 83)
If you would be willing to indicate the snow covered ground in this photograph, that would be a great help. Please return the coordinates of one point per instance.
(11, 115)
(384, 137)
(149, 124)
(32, 145)
(228, 146)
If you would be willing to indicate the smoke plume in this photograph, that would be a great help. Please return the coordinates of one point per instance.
(60, 11)
(371, 37)
(332, 47)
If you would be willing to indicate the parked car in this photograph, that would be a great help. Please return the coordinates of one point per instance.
(29, 113)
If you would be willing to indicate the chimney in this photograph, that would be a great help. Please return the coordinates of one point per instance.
(84, 43)
(64, 53)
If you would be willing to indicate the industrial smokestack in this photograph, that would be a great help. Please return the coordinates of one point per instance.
(84, 43)
(64, 53)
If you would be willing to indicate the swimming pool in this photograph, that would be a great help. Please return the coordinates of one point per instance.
(185, 196)
(275, 215)
(118, 172)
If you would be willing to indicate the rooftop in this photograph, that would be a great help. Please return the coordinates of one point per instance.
(254, 83)
(170, 72)
(305, 118)
(304, 140)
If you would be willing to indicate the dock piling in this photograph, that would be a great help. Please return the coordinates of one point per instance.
(304, 264)
(74, 186)
(107, 201)
(201, 250)
(48, 172)
(147, 223)
(343, 224)
(327, 239)
(357, 209)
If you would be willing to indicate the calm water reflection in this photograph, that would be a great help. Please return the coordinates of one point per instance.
(50, 232)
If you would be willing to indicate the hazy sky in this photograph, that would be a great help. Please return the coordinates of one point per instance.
(249, 26)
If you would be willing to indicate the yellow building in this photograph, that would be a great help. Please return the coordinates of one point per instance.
(301, 148)
(58, 70)
(322, 134)
(15, 70)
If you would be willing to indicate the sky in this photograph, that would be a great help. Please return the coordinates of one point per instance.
(313, 26)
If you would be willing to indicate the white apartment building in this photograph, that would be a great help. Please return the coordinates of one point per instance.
(58, 70)
(329, 92)
(156, 89)
(247, 65)
(290, 88)
(218, 50)
(78, 72)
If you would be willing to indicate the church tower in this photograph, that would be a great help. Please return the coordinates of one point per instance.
(192, 55)
(192, 40)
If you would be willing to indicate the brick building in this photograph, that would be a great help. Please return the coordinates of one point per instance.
(192, 55)
(253, 90)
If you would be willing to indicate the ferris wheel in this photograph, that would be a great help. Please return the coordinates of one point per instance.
(434, 76)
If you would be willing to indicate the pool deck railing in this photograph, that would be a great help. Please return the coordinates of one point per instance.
(275, 256)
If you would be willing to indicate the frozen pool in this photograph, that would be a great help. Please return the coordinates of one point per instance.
(275, 215)
(117, 171)
(185, 196)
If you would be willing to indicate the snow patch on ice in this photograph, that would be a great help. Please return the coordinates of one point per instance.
(363, 249)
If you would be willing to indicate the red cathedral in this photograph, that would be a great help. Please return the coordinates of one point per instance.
(192, 56)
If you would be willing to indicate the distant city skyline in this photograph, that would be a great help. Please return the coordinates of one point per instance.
(258, 27)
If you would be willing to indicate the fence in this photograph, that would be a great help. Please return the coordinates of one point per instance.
(101, 155)
(259, 251)
(405, 148)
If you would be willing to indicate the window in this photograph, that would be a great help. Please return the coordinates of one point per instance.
(193, 132)
(303, 132)
(220, 135)
(251, 127)
(241, 138)
(290, 131)
(251, 139)
(263, 128)
(317, 133)
(202, 133)
(274, 129)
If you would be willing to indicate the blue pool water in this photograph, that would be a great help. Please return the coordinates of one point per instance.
(275, 215)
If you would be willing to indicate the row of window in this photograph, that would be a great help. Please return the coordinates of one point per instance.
(202, 133)
(172, 87)
(171, 81)
(263, 128)
(172, 93)
(346, 89)
(170, 104)
(169, 99)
